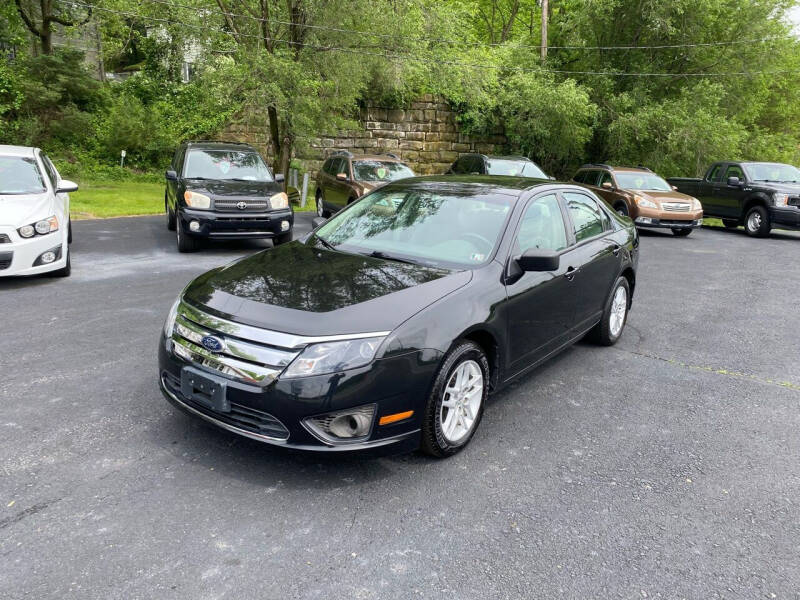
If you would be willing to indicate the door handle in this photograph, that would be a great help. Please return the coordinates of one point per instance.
(570, 274)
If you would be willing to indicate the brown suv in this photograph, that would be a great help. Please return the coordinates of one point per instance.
(645, 197)
(344, 177)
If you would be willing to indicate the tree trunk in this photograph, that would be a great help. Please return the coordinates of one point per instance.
(286, 153)
(545, 11)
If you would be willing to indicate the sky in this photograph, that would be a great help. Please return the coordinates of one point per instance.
(794, 15)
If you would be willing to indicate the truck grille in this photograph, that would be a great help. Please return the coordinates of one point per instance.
(5, 260)
(240, 416)
(239, 358)
(676, 206)
(247, 205)
(4, 239)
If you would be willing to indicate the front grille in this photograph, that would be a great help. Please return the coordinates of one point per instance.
(676, 206)
(676, 222)
(237, 357)
(241, 417)
(249, 205)
(4, 239)
(5, 260)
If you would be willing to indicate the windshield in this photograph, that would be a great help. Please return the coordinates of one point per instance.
(376, 170)
(226, 165)
(441, 229)
(641, 181)
(522, 168)
(772, 172)
(20, 175)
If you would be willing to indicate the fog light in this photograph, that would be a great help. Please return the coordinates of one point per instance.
(48, 257)
(351, 425)
(194, 226)
(699, 222)
(644, 220)
(284, 225)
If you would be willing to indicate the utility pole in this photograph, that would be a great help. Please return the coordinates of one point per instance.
(545, 11)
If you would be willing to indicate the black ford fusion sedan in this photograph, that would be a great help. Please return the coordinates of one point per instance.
(389, 325)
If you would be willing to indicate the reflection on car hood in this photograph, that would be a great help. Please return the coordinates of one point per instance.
(671, 196)
(24, 209)
(237, 189)
(304, 290)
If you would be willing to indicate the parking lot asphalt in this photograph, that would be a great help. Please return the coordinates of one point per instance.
(667, 466)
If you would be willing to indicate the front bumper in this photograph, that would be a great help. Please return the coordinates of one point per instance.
(19, 256)
(226, 225)
(274, 413)
(670, 222)
(786, 218)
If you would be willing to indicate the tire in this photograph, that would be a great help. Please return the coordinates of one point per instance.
(321, 212)
(607, 332)
(622, 209)
(64, 271)
(730, 223)
(282, 239)
(186, 243)
(438, 440)
(69, 231)
(681, 231)
(170, 215)
(756, 222)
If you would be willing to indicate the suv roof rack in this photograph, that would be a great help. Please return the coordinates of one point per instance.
(346, 153)
(597, 165)
(392, 155)
(216, 142)
(644, 168)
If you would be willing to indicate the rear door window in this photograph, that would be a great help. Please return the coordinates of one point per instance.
(716, 173)
(588, 219)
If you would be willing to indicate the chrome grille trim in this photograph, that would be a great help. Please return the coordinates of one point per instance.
(252, 205)
(226, 365)
(277, 339)
(676, 206)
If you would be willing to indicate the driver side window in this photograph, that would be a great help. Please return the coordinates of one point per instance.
(542, 226)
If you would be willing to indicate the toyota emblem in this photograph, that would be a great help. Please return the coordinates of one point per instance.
(241, 205)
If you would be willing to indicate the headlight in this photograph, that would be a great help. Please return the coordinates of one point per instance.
(781, 199)
(329, 357)
(280, 200)
(696, 204)
(196, 200)
(644, 202)
(43, 227)
(169, 324)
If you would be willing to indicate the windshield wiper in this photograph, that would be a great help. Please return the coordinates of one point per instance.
(325, 242)
(202, 178)
(384, 256)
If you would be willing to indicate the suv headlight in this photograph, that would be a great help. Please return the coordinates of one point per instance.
(696, 204)
(172, 315)
(330, 357)
(43, 227)
(644, 202)
(196, 200)
(279, 200)
(781, 199)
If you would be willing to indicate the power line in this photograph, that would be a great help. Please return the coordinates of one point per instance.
(409, 57)
(474, 44)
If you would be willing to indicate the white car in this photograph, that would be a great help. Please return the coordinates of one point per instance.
(34, 214)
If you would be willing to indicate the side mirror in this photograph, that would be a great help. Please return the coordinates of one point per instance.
(734, 181)
(551, 178)
(535, 259)
(674, 188)
(66, 186)
(171, 176)
(341, 177)
(608, 185)
(318, 221)
(280, 178)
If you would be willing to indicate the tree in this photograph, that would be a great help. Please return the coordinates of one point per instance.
(50, 11)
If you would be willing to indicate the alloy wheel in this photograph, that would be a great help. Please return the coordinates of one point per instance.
(320, 208)
(619, 306)
(754, 221)
(461, 402)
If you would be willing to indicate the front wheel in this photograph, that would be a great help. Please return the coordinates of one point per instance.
(455, 403)
(170, 215)
(756, 223)
(622, 209)
(185, 242)
(64, 271)
(321, 212)
(681, 231)
(615, 314)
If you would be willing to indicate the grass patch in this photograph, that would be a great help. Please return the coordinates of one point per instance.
(116, 199)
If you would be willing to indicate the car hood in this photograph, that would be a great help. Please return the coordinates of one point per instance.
(772, 186)
(304, 290)
(235, 189)
(671, 196)
(24, 209)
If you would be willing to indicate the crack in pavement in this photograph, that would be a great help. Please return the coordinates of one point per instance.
(31, 510)
(787, 385)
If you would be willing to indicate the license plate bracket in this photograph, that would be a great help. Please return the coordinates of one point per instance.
(206, 390)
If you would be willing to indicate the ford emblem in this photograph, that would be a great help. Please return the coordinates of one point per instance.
(241, 205)
(212, 343)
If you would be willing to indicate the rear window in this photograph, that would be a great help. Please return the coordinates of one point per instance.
(20, 175)
(521, 168)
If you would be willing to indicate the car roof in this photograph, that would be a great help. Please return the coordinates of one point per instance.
(381, 157)
(502, 184)
(211, 145)
(613, 168)
(24, 151)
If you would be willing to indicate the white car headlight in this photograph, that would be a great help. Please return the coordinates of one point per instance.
(696, 204)
(196, 200)
(781, 199)
(330, 357)
(279, 200)
(644, 202)
(43, 227)
(172, 315)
